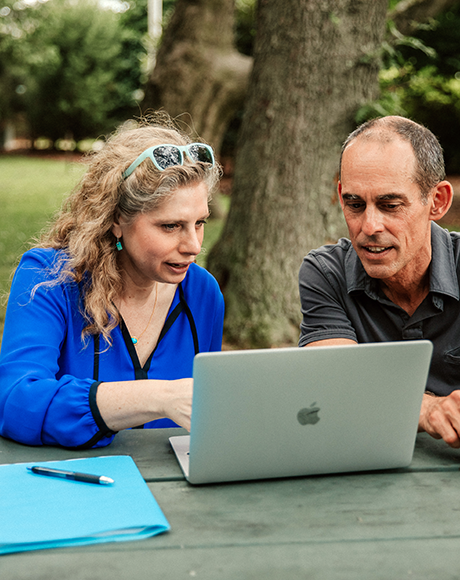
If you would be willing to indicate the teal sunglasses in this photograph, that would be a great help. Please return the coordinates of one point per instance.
(164, 156)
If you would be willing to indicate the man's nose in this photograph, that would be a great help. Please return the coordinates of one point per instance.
(372, 222)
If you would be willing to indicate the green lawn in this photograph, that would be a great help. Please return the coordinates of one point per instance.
(31, 191)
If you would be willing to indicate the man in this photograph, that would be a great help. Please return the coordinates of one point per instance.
(397, 278)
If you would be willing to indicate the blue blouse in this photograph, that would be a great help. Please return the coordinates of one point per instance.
(49, 375)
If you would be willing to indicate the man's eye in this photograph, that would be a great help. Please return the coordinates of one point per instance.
(169, 227)
(355, 205)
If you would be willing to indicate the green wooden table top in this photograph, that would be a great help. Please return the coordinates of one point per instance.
(149, 448)
(381, 525)
(155, 459)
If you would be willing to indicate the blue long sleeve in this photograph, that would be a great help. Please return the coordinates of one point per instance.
(32, 384)
(47, 382)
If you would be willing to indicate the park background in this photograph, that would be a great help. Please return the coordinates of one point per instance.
(275, 86)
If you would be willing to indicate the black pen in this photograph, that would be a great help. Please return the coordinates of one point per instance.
(74, 475)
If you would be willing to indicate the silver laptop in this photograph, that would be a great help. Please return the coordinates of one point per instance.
(301, 411)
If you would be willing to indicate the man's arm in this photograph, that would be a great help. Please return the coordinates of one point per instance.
(440, 417)
(323, 297)
(332, 342)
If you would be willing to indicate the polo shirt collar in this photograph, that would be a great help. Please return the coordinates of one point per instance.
(443, 274)
(443, 279)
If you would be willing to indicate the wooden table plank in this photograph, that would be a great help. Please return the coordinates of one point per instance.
(428, 560)
(153, 455)
(351, 508)
(149, 448)
(432, 453)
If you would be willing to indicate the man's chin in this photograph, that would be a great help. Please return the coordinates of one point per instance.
(378, 271)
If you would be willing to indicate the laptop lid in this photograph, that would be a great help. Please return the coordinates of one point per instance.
(302, 411)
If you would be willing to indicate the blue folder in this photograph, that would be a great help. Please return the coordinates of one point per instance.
(46, 512)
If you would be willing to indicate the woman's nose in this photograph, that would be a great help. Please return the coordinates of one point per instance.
(191, 243)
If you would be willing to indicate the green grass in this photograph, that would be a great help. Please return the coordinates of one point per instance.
(31, 191)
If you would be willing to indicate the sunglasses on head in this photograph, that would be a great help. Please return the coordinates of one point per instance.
(164, 156)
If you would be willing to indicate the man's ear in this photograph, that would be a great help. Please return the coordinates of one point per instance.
(339, 191)
(441, 200)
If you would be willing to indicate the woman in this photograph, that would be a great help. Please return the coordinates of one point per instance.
(106, 314)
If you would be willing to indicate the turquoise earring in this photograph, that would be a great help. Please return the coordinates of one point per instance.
(118, 245)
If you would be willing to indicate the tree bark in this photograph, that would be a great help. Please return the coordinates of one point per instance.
(315, 63)
(198, 71)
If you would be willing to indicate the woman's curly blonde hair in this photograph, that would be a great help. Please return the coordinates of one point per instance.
(83, 228)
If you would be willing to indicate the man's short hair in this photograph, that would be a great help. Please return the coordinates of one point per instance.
(429, 159)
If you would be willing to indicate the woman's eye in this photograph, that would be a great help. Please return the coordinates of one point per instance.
(169, 227)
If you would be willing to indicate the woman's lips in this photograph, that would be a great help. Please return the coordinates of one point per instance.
(179, 266)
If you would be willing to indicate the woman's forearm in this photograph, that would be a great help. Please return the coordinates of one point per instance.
(127, 404)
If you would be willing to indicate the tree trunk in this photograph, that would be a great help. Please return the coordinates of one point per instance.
(198, 71)
(315, 63)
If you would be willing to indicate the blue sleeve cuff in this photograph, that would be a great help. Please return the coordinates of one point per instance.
(103, 429)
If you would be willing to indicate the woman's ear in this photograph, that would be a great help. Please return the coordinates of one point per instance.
(441, 200)
(116, 227)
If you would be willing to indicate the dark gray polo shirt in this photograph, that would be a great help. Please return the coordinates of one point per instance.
(339, 300)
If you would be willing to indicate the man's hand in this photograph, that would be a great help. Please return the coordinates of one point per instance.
(440, 418)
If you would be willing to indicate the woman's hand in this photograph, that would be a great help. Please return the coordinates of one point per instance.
(178, 402)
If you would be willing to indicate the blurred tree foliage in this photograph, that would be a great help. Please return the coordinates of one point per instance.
(76, 67)
(420, 79)
(245, 29)
(70, 67)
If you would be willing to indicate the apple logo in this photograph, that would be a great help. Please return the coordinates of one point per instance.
(308, 415)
